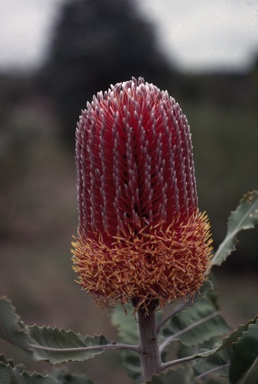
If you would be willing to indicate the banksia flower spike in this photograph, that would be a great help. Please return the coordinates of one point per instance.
(141, 237)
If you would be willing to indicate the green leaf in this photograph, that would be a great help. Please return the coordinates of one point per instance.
(251, 376)
(244, 353)
(132, 364)
(195, 325)
(183, 374)
(206, 288)
(215, 380)
(214, 365)
(127, 330)
(12, 328)
(244, 217)
(11, 375)
(126, 324)
(10, 362)
(59, 346)
(234, 336)
(184, 351)
(64, 376)
(45, 343)
(214, 356)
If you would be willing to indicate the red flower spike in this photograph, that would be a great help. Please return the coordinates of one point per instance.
(141, 236)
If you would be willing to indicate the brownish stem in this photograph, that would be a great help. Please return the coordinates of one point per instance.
(149, 351)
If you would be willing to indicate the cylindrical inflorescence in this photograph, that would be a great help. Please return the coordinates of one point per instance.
(141, 236)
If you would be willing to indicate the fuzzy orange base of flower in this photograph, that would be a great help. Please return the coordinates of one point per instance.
(153, 264)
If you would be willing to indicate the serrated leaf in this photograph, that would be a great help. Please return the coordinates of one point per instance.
(244, 217)
(244, 353)
(183, 374)
(10, 362)
(11, 375)
(12, 328)
(225, 345)
(45, 343)
(6, 361)
(195, 325)
(234, 336)
(60, 346)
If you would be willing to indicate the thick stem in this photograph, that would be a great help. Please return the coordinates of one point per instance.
(149, 350)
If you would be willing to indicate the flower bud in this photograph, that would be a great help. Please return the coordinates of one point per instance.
(141, 237)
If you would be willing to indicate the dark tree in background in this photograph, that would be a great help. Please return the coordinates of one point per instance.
(95, 43)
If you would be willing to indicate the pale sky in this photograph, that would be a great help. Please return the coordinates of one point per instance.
(195, 34)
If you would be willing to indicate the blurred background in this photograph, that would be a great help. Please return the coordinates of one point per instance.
(54, 55)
